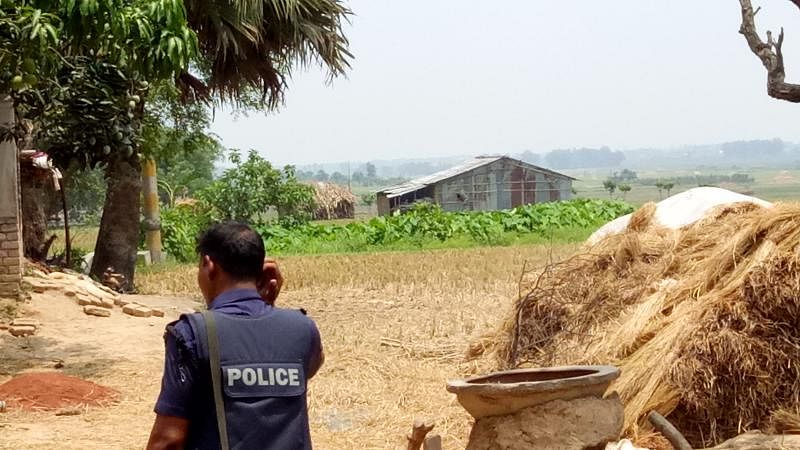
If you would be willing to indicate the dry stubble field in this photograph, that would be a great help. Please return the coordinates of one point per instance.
(394, 327)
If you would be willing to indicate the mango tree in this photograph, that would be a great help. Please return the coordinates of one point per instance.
(62, 54)
(83, 69)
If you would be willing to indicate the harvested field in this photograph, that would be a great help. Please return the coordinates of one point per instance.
(703, 321)
(395, 327)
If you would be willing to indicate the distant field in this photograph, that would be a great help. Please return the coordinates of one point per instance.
(770, 184)
(83, 238)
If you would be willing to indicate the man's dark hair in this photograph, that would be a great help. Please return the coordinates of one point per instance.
(236, 247)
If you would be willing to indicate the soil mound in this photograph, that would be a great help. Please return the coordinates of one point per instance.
(53, 390)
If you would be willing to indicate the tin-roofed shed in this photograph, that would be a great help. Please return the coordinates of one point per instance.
(484, 183)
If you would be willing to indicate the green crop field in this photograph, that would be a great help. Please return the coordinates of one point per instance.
(424, 228)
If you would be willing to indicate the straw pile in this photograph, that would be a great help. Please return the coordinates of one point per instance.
(333, 201)
(703, 321)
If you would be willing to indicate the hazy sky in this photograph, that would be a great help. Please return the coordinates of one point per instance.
(457, 77)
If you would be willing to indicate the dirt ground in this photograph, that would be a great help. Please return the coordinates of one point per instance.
(390, 347)
(121, 352)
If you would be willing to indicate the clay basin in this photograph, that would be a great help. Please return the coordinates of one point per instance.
(502, 393)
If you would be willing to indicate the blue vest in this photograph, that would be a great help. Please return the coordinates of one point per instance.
(264, 362)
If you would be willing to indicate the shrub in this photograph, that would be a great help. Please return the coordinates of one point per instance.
(180, 227)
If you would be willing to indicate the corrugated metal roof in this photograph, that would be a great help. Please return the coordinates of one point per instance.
(419, 183)
(480, 161)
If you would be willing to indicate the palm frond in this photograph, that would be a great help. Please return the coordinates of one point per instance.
(255, 44)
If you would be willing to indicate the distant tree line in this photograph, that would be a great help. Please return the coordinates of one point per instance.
(735, 154)
(754, 153)
(630, 176)
(626, 175)
(699, 180)
(757, 150)
(366, 177)
(583, 157)
(577, 158)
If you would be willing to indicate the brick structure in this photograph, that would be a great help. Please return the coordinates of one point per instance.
(10, 227)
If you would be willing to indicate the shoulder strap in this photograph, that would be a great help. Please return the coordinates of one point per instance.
(198, 325)
(216, 371)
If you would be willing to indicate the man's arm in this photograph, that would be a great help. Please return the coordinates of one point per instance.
(169, 433)
(171, 427)
(317, 356)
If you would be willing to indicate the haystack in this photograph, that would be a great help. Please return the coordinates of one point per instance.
(333, 201)
(704, 320)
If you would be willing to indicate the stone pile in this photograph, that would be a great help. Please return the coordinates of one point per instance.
(97, 300)
(23, 327)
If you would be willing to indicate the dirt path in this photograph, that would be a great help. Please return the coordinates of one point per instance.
(121, 352)
(389, 352)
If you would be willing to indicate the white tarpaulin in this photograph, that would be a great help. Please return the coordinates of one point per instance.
(682, 209)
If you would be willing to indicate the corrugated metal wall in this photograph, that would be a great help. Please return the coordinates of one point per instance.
(500, 185)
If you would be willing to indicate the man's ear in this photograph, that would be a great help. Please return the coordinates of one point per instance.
(209, 266)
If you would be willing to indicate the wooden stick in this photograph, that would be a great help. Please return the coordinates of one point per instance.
(418, 433)
(67, 239)
(669, 431)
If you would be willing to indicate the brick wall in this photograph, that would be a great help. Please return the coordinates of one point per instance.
(10, 257)
(10, 232)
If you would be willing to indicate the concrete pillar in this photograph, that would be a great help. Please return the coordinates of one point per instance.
(10, 224)
(152, 214)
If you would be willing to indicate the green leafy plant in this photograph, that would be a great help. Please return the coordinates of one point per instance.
(422, 226)
(180, 227)
(253, 188)
(426, 223)
(368, 199)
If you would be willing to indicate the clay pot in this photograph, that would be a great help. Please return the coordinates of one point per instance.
(507, 392)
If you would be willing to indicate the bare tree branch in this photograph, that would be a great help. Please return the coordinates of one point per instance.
(770, 54)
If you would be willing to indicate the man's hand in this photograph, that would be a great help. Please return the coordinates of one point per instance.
(169, 433)
(271, 281)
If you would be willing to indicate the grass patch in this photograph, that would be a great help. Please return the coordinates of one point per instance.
(83, 238)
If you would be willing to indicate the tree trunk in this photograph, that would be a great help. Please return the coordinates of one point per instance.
(35, 201)
(37, 194)
(119, 227)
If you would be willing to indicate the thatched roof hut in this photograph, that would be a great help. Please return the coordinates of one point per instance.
(333, 201)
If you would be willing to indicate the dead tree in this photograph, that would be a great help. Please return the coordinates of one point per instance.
(770, 53)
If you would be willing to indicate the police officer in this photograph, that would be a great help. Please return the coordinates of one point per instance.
(235, 376)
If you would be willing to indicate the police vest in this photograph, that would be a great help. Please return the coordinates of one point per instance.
(264, 361)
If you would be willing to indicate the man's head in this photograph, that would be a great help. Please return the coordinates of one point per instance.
(231, 255)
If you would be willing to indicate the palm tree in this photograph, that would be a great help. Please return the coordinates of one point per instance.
(249, 47)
